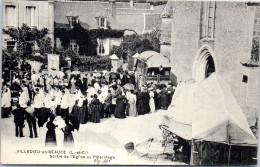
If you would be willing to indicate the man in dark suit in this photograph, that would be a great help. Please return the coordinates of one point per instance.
(31, 120)
(107, 104)
(19, 117)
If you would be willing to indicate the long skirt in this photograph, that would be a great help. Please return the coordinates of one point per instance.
(152, 105)
(95, 116)
(58, 111)
(43, 116)
(76, 111)
(132, 109)
(140, 107)
(164, 102)
(6, 111)
(83, 115)
(68, 141)
(120, 110)
(50, 140)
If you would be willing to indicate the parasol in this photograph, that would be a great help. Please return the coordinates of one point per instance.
(75, 72)
(129, 86)
(74, 121)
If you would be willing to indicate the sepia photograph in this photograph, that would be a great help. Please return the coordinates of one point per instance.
(130, 82)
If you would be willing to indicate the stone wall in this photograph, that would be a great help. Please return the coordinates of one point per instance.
(184, 38)
(231, 45)
(44, 16)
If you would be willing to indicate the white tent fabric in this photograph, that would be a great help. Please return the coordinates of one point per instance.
(154, 59)
(183, 103)
(214, 115)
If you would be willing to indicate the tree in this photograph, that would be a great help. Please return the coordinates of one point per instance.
(44, 46)
(26, 38)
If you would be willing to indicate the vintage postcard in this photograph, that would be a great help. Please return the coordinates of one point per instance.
(130, 82)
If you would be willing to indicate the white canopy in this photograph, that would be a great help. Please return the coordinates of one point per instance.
(209, 111)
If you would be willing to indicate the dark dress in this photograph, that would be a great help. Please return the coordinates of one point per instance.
(120, 107)
(164, 99)
(76, 110)
(43, 116)
(95, 111)
(51, 135)
(157, 97)
(170, 92)
(146, 100)
(84, 112)
(68, 137)
(139, 104)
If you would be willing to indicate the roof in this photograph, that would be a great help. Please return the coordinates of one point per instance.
(210, 113)
(114, 57)
(168, 10)
(136, 55)
(151, 59)
(87, 13)
(139, 18)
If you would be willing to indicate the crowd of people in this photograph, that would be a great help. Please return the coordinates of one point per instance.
(39, 98)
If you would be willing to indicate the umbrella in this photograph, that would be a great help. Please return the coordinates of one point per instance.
(113, 75)
(74, 121)
(129, 86)
(75, 72)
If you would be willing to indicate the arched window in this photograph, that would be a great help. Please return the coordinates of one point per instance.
(101, 49)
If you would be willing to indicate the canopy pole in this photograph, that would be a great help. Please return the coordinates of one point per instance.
(201, 152)
(229, 152)
(192, 151)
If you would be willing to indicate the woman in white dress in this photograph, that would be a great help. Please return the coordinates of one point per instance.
(132, 104)
(151, 102)
(6, 102)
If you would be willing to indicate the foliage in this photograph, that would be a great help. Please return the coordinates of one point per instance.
(137, 44)
(255, 49)
(118, 51)
(74, 57)
(91, 63)
(42, 58)
(133, 44)
(44, 45)
(26, 37)
(86, 39)
(9, 61)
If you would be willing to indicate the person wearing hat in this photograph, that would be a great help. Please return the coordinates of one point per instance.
(50, 140)
(68, 141)
(120, 106)
(95, 109)
(19, 117)
(143, 99)
(164, 98)
(132, 153)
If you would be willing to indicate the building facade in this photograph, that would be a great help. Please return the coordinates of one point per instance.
(39, 14)
(208, 37)
(132, 18)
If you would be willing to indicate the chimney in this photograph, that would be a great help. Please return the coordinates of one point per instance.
(131, 3)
